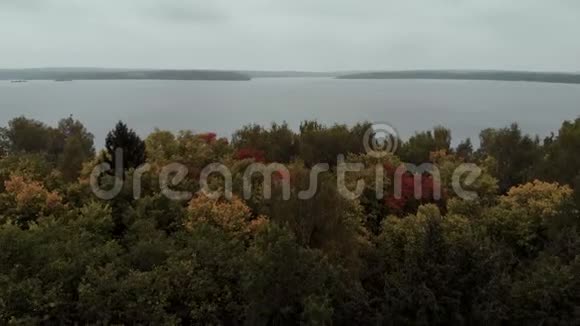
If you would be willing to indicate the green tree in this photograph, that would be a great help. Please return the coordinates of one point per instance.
(125, 139)
(278, 143)
(77, 149)
(322, 144)
(547, 292)
(516, 157)
(328, 221)
(465, 150)
(283, 281)
(418, 148)
(439, 271)
(27, 135)
(561, 162)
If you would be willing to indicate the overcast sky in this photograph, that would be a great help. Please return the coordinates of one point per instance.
(292, 34)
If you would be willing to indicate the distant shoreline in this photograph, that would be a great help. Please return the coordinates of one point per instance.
(71, 74)
(515, 76)
(104, 74)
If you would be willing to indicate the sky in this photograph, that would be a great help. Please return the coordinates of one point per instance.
(315, 35)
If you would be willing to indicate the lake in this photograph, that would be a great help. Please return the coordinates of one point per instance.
(466, 107)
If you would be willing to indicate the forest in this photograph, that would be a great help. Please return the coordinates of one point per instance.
(509, 257)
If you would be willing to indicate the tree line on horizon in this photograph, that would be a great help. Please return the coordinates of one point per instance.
(510, 257)
(69, 74)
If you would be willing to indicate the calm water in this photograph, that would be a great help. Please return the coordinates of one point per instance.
(465, 107)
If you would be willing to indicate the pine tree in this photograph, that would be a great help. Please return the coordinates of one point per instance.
(133, 148)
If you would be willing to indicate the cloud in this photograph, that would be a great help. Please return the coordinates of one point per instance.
(297, 34)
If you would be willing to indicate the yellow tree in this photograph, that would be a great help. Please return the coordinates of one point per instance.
(525, 213)
(231, 216)
(26, 200)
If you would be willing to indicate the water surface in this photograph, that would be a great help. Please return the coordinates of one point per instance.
(466, 107)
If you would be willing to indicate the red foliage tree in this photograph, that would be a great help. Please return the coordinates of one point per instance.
(406, 203)
(250, 153)
(281, 175)
(208, 137)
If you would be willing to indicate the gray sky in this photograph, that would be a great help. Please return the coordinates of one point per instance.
(292, 34)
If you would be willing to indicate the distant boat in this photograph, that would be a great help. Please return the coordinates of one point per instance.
(19, 81)
(63, 80)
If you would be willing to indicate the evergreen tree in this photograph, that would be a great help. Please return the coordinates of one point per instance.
(129, 142)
